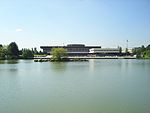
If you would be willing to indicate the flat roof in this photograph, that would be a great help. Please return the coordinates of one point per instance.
(70, 46)
(75, 45)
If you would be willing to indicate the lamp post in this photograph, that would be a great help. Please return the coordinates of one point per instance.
(127, 47)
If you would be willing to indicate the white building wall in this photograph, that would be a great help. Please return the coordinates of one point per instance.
(104, 50)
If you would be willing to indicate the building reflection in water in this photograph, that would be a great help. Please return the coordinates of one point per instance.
(91, 65)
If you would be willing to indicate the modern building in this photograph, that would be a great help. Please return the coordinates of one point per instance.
(72, 49)
(105, 51)
(128, 50)
(82, 50)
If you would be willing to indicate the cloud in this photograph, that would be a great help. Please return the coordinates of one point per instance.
(19, 30)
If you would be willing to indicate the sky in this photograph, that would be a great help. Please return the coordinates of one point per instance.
(108, 23)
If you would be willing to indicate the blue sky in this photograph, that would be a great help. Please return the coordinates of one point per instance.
(109, 23)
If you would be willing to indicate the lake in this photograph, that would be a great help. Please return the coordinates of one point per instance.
(95, 86)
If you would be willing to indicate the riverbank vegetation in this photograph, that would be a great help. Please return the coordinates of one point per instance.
(59, 54)
(27, 54)
(142, 52)
(11, 51)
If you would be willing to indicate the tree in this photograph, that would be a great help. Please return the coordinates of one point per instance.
(13, 51)
(58, 54)
(2, 55)
(142, 52)
(148, 47)
(3, 52)
(148, 53)
(27, 53)
(126, 51)
(35, 51)
(120, 49)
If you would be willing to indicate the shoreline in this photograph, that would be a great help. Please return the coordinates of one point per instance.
(96, 57)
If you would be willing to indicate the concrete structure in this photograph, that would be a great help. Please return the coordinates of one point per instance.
(104, 50)
(129, 51)
(72, 49)
(82, 50)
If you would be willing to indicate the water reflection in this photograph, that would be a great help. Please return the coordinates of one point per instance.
(91, 65)
(59, 66)
(12, 61)
(9, 66)
(9, 61)
(2, 61)
(68, 85)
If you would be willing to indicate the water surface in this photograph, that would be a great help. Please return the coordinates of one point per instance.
(96, 86)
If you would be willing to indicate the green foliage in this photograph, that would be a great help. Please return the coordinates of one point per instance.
(146, 54)
(148, 47)
(142, 52)
(120, 49)
(2, 55)
(3, 52)
(34, 51)
(58, 54)
(27, 53)
(143, 48)
(13, 51)
(126, 51)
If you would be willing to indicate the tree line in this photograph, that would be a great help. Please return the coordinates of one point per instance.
(142, 52)
(12, 51)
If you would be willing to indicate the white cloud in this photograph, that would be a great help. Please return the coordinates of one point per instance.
(19, 30)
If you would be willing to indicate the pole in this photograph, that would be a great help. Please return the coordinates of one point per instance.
(127, 44)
